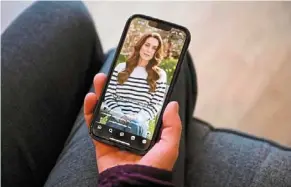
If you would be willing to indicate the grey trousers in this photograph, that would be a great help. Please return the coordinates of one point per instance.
(50, 55)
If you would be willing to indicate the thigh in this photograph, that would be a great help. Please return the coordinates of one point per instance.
(50, 54)
(77, 166)
(227, 158)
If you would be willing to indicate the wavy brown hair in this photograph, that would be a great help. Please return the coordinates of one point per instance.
(152, 66)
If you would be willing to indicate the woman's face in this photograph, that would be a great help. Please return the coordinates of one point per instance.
(148, 49)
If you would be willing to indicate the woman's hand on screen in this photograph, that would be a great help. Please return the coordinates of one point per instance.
(124, 120)
(162, 155)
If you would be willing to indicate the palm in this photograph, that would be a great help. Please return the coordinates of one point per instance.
(108, 156)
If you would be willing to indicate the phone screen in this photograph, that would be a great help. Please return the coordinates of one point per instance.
(139, 82)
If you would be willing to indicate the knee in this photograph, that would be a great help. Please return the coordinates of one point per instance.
(63, 14)
(47, 21)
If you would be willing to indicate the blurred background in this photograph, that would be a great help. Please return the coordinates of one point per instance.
(242, 53)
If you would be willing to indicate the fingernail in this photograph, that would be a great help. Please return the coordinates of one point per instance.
(176, 106)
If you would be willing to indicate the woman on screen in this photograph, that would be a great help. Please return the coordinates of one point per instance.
(137, 87)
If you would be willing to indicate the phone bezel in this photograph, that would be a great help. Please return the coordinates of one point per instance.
(156, 134)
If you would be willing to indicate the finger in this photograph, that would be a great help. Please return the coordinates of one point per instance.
(92, 98)
(171, 129)
(89, 104)
(99, 81)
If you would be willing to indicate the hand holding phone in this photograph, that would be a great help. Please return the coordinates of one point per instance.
(162, 155)
(140, 81)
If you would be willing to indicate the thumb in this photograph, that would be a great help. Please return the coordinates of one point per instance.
(165, 152)
(171, 129)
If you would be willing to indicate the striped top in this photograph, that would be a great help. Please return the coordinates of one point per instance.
(133, 97)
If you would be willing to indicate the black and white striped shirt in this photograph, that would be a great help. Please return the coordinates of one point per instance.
(133, 97)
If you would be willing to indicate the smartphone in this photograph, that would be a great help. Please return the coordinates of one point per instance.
(147, 61)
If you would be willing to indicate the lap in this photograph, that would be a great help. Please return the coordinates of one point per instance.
(220, 157)
(76, 165)
(79, 145)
